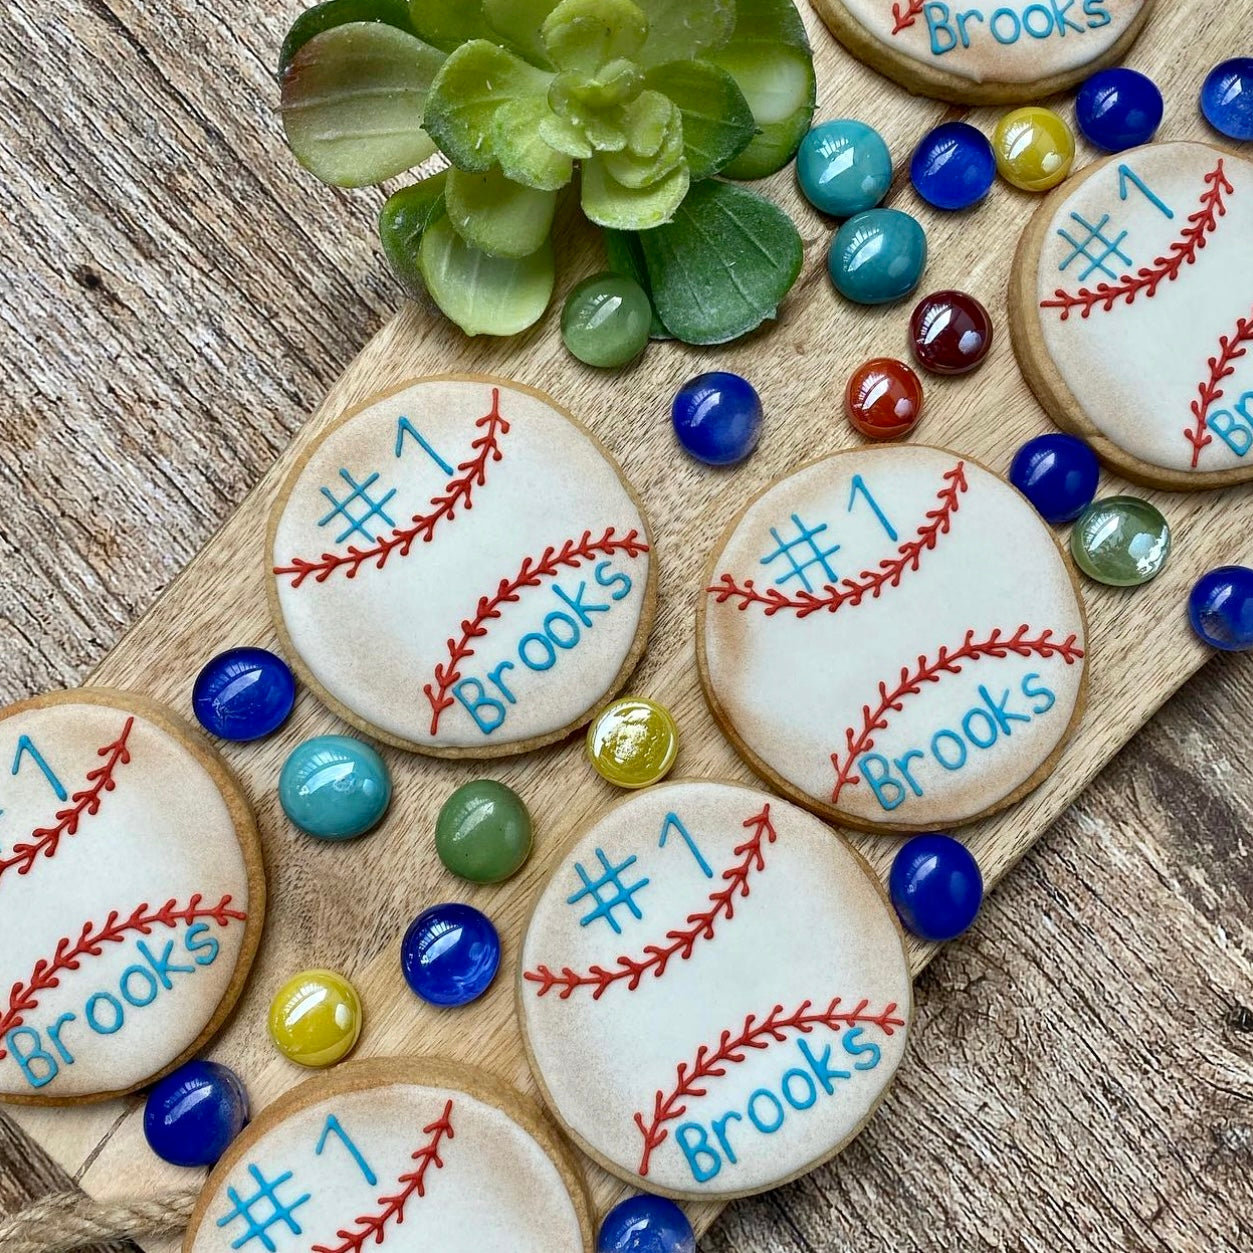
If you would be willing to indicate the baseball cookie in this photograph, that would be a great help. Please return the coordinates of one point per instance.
(421, 1154)
(1132, 313)
(1006, 52)
(714, 991)
(131, 895)
(892, 637)
(459, 568)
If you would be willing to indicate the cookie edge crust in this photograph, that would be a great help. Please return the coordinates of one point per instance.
(247, 836)
(823, 809)
(648, 609)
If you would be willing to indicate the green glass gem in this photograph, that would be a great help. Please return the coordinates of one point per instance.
(1122, 541)
(606, 320)
(483, 832)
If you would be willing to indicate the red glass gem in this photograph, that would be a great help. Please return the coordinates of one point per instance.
(951, 332)
(883, 399)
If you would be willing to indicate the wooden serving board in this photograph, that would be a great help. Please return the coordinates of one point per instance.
(346, 906)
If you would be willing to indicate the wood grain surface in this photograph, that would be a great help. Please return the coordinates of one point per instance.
(178, 298)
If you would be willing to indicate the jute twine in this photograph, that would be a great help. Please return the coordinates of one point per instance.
(70, 1220)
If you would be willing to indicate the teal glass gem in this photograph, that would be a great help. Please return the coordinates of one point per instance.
(844, 167)
(1121, 541)
(878, 256)
(483, 832)
(334, 787)
(606, 320)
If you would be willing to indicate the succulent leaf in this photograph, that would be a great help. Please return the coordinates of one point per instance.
(402, 221)
(353, 101)
(339, 13)
(519, 23)
(681, 29)
(717, 122)
(607, 202)
(643, 171)
(449, 23)
(500, 217)
(584, 35)
(522, 135)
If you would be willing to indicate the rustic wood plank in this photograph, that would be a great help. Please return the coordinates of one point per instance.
(178, 295)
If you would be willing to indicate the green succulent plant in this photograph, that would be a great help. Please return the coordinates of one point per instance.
(638, 102)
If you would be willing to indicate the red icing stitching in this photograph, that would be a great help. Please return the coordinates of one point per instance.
(457, 494)
(905, 16)
(373, 1227)
(947, 661)
(86, 802)
(570, 555)
(1230, 349)
(712, 1061)
(1148, 278)
(853, 591)
(69, 952)
(682, 943)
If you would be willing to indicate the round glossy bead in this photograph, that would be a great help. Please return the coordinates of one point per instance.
(1119, 108)
(315, 1018)
(606, 320)
(883, 399)
(951, 332)
(450, 954)
(334, 787)
(1122, 541)
(953, 167)
(633, 742)
(1227, 98)
(243, 694)
(483, 832)
(844, 167)
(935, 886)
(1034, 148)
(878, 256)
(646, 1224)
(1057, 474)
(1220, 608)
(717, 418)
(192, 1115)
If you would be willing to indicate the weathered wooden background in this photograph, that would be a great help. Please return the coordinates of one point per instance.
(176, 298)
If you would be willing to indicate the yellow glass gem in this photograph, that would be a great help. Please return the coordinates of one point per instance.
(1034, 148)
(315, 1018)
(633, 742)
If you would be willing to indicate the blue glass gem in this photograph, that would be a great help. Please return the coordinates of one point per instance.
(334, 787)
(243, 694)
(1057, 474)
(935, 886)
(194, 1113)
(878, 256)
(1119, 108)
(1220, 608)
(717, 418)
(954, 166)
(1227, 98)
(646, 1224)
(844, 167)
(450, 954)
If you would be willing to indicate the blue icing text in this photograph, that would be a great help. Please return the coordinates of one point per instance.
(952, 27)
(1235, 429)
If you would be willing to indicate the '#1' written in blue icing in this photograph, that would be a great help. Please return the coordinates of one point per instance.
(953, 26)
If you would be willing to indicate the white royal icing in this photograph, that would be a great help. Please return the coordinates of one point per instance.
(724, 1005)
(399, 1164)
(506, 616)
(1010, 41)
(950, 667)
(123, 899)
(1145, 303)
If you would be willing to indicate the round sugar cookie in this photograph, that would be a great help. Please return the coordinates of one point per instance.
(1132, 313)
(714, 991)
(131, 895)
(892, 637)
(1001, 52)
(418, 1153)
(459, 568)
